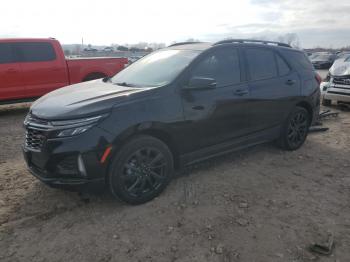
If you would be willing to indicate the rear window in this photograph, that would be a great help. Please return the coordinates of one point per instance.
(300, 59)
(6, 54)
(261, 63)
(35, 52)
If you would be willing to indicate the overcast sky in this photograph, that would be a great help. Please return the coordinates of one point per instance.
(317, 22)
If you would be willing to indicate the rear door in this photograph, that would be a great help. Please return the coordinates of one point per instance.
(217, 115)
(11, 84)
(42, 68)
(273, 86)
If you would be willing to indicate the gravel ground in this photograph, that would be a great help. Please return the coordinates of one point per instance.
(262, 204)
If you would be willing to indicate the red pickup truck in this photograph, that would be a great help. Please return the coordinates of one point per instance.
(30, 68)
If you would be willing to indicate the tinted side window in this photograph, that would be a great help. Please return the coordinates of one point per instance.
(222, 65)
(6, 54)
(261, 63)
(283, 68)
(300, 59)
(35, 52)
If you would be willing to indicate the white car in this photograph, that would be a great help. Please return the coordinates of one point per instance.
(338, 86)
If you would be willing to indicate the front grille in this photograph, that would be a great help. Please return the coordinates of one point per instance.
(344, 80)
(36, 132)
(339, 93)
(34, 139)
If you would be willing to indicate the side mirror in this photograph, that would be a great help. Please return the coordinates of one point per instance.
(201, 83)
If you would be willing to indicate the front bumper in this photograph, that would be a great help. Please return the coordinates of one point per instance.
(337, 93)
(70, 161)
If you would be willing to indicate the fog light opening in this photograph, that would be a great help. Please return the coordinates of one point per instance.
(81, 166)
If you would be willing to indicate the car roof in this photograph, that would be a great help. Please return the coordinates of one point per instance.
(202, 46)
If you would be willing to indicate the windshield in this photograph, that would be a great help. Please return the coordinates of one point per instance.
(156, 69)
(322, 57)
(344, 55)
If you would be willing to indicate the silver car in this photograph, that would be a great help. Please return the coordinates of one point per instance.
(337, 87)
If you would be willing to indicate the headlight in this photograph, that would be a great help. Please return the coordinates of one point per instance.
(73, 131)
(75, 126)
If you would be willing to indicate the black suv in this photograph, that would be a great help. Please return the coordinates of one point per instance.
(174, 107)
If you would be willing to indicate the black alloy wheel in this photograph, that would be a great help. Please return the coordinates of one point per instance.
(295, 130)
(141, 170)
(144, 171)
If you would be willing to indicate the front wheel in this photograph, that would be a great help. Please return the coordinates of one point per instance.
(141, 170)
(295, 129)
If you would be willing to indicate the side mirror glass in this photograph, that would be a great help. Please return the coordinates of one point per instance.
(201, 83)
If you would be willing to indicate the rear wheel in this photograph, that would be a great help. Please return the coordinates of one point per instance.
(295, 129)
(141, 170)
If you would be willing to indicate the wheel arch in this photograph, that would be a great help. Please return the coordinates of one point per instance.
(151, 130)
(306, 105)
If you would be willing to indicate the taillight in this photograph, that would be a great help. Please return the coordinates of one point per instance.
(318, 78)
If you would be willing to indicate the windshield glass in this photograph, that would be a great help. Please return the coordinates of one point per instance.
(344, 55)
(322, 57)
(156, 69)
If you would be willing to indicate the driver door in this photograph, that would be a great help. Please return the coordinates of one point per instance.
(219, 114)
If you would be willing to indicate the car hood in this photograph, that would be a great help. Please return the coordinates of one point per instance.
(340, 68)
(84, 99)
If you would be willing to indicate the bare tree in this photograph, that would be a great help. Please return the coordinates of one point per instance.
(291, 39)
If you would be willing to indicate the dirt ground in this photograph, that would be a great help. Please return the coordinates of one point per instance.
(262, 204)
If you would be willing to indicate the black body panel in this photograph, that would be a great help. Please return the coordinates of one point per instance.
(194, 123)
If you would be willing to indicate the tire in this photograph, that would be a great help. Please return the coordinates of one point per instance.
(141, 170)
(295, 129)
(326, 102)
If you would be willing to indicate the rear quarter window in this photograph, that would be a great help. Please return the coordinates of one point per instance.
(35, 51)
(283, 68)
(299, 59)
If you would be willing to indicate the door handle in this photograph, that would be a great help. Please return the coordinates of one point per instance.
(11, 70)
(241, 92)
(198, 107)
(290, 82)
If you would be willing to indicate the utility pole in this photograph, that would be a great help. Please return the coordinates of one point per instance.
(82, 44)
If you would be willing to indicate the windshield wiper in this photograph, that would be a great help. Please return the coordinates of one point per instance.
(125, 84)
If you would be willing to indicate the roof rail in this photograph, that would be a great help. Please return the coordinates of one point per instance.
(184, 43)
(241, 41)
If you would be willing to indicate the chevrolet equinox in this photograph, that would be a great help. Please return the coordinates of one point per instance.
(172, 108)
